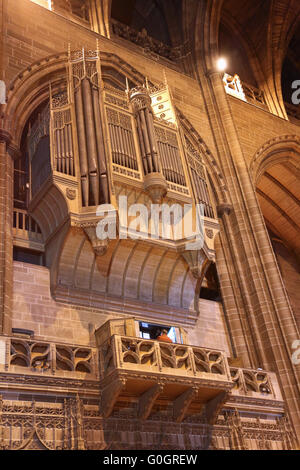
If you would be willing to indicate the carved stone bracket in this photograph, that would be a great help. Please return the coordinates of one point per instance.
(214, 406)
(198, 262)
(94, 232)
(99, 246)
(156, 186)
(147, 401)
(110, 395)
(182, 403)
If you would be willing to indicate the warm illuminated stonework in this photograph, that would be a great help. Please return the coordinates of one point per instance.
(104, 107)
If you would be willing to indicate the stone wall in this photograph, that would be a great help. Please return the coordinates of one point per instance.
(35, 309)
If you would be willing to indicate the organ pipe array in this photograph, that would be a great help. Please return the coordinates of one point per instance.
(98, 131)
(141, 103)
(121, 139)
(85, 71)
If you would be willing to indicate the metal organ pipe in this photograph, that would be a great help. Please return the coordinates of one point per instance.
(146, 141)
(66, 139)
(90, 140)
(100, 145)
(142, 145)
(83, 159)
(71, 155)
(63, 153)
(150, 129)
(141, 102)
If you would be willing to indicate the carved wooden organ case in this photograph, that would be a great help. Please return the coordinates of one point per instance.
(95, 141)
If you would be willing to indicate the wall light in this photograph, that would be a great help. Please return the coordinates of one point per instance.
(43, 3)
(221, 64)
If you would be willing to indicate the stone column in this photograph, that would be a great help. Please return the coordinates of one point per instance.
(6, 236)
(100, 12)
(265, 305)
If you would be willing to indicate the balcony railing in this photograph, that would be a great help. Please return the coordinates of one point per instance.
(249, 93)
(26, 356)
(26, 231)
(255, 383)
(122, 352)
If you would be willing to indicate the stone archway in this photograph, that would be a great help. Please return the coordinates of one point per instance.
(275, 171)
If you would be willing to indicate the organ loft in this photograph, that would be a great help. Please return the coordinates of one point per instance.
(181, 340)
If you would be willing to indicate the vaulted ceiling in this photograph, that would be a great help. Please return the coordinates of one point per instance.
(278, 192)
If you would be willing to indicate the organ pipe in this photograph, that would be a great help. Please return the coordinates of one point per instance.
(141, 102)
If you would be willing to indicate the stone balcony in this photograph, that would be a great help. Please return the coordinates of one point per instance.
(46, 366)
(155, 375)
(183, 380)
(255, 390)
(149, 376)
(26, 232)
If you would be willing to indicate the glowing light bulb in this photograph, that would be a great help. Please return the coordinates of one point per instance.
(43, 3)
(221, 64)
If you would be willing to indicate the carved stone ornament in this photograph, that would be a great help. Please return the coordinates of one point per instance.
(197, 261)
(99, 246)
(71, 193)
(209, 233)
(156, 186)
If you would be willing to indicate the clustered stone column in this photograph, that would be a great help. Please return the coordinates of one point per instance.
(262, 304)
(6, 236)
(99, 11)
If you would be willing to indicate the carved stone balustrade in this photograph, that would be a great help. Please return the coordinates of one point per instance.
(256, 387)
(158, 375)
(29, 356)
(249, 93)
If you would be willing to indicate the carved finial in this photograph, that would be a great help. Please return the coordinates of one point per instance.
(127, 85)
(147, 83)
(69, 50)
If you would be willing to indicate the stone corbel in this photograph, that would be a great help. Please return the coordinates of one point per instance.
(109, 396)
(99, 246)
(182, 403)
(147, 401)
(214, 406)
(198, 262)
